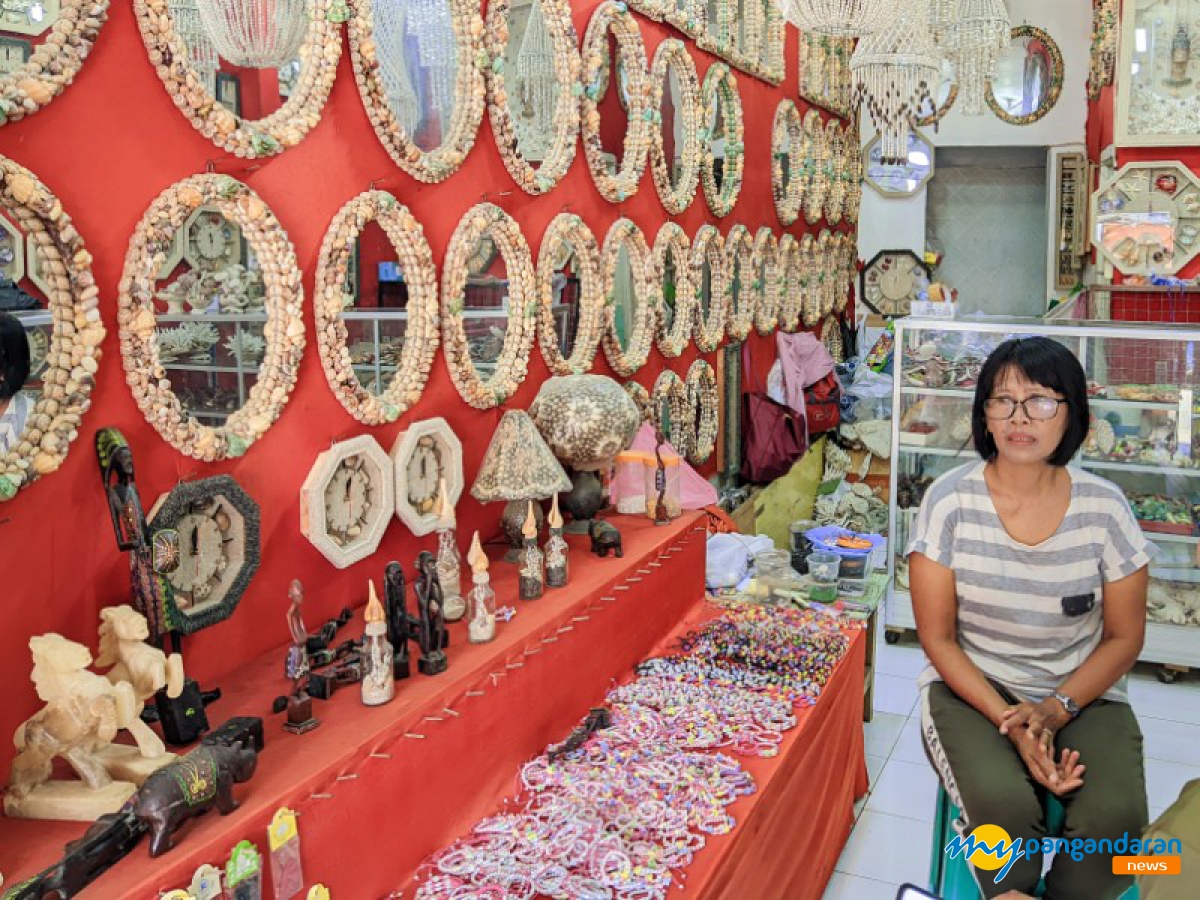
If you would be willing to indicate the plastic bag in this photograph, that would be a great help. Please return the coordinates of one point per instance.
(729, 558)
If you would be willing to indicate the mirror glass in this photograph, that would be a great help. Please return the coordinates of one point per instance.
(672, 124)
(529, 79)
(716, 132)
(375, 310)
(418, 63)
(485, 306)
(252, 78)
(625, 298)
(210, 310)
(565, 287)
(785, 144)
(904, 178)
(25, 332)
(614, 120)
(737, 280)
(704, 289)
(669, 289)
(1024, 76)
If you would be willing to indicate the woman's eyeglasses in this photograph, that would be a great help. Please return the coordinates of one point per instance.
(1036, 407)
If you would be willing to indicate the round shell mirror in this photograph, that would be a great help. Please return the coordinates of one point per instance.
(631, 289)
(739, 252)
(675, 145)
(722, 133)
(677, 311)
(767, 284)
(707, 262)
(570, 292)
(786, 162)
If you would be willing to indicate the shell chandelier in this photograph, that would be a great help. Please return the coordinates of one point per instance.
(842, 18)
(893, 73)
(973, 39)
(390, 25)
(258, 34)
(536, 87)
(201, 52)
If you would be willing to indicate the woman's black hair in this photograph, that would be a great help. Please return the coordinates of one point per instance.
(1045, 362)
(14, 355)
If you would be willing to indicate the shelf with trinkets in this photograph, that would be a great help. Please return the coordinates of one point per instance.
(364, 769)
(1143, 389)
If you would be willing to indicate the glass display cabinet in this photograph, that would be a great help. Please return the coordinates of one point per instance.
(1144, 397)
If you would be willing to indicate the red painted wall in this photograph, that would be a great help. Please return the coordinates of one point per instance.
(107, 147)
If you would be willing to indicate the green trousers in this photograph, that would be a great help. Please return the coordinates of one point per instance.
(986, 778)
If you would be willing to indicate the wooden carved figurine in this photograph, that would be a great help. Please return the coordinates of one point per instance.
(299, 705)
(449, 560)
(190, 786)
(398, 620)
(532, 578)
(661, 516)
(429, 606)
(378, 681)
(83, 713)
(605, 537)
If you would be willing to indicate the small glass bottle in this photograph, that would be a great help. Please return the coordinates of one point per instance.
(481, 601)
(449, 560)
(378, 679)
(556, 549)
(532, 578)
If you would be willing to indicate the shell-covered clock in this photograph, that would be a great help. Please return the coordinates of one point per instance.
(210, 241)
(347, 499)
(892, 280)
(427, 455)
(212, 529)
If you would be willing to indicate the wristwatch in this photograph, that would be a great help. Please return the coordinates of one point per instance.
(1069, 705)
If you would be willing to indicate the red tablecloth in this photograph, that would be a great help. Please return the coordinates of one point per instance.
(379, 789)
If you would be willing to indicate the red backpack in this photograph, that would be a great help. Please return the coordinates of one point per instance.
(823, 405)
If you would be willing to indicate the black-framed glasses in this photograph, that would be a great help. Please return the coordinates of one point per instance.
(1036, 407)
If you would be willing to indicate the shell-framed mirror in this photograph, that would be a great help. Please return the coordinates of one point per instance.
(816, 188)
(723, 160)
(764, 261)
(739, 282)
(211, 354)
(707, 261)
(675, 148)
(215, 70)
(1028, 79)
(376, 308)
(703, 409)
(676, 315)
(810, 283)
(489, 306)
(786, 162)
(836, 173)
(632, 289)
(788, 277)
(670, 410)
(570, 296)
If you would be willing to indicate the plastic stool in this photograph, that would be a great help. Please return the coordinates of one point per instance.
(951, 879)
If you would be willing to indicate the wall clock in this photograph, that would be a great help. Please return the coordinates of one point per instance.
(424, 457)
(210, 241)
(211, 528)
(904, 178)
(892, 281)
(347, 500)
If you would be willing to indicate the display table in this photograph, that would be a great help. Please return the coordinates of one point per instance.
(378, 789)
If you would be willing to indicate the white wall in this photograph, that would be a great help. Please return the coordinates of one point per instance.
(889, 224)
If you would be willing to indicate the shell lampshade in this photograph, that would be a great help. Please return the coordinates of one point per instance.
(518, 464)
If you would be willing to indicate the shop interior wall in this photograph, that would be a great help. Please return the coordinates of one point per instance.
(107, 147)
(893, 224)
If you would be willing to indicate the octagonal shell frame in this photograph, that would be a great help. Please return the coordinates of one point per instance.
(451, 447)
(313, 521)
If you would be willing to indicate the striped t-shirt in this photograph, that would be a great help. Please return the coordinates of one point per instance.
(1028, 616)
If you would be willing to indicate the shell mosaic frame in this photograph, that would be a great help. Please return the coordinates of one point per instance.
(470, 54)
(1057, 74)
(704, 407)
(283, 128)
(671, 241)
(73, 356)
(709, 247)
(670, 389)
(831, 337)
(739, 278)
(55, 62)
(421, 333)
(566, 116)
(836, 173)
(486, 219)
(816, 189)
(764, 261)
(823, 260)
(720, 91)
(641, 398)
(645, 300)
(621, 184)
(569, 229)
(824, 72)
(760, 50)
(672, 54)
(284, 329)
(811, 282)
(787, 193)
(854, 174)
(789, 276)
(846, 260)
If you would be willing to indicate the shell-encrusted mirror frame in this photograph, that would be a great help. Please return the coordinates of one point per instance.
(613, 15)
(824, 272)
(570, 228)
(764, 263)
(670, 387)
(742, 305)
(672, 53)
(566, 116)
(283, 128)
(641, 398)
(284, 330)
(810, 282)
(421, 332)
(787, 277)
(846, 250)
(720, 86)
(788, 197)
(54, 62)
(708, 246)
(440, 163)
(73, 356)
(816, 154)
(831, 337)
(854, 174)
(1057, 71)
(646, 286)
(703, 404)
(674, 240)
(835, 197)
(511, 367)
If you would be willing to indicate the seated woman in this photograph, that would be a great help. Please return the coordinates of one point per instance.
(1028, 585)
(15, 404)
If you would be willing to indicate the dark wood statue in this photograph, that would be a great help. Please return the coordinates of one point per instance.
(432, 624)
(398, 620)
(299, 704)
(661, 516)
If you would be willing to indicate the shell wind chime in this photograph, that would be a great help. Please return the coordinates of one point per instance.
(973, 39)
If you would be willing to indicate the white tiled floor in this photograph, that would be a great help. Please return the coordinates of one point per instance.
(891, 841)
